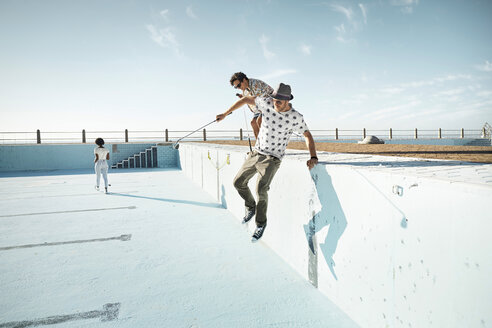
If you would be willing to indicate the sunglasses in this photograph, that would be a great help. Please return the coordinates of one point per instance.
(237, 86)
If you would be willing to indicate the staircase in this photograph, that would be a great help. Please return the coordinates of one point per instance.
(144, 159)
(479, 142)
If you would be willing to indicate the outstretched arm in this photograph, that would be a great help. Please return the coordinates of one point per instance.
(312, 149)
(249, 100)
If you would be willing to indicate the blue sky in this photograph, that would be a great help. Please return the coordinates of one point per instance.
(151, 65)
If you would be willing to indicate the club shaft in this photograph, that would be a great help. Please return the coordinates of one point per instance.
(189, 134)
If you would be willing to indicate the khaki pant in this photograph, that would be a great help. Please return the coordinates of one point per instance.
(266, 166)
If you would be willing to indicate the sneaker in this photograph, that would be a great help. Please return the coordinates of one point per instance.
(106, 190)
(96, 187)
(249, 215)
(258, 233)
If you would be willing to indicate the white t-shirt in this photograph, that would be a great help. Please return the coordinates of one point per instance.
(101, 152)
(276, 128)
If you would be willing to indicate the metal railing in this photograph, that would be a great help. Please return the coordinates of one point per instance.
(38, 137)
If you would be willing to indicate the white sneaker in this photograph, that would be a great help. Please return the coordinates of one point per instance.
(96, 187)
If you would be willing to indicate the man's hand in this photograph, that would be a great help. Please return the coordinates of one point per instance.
(220, 117)
(312, 149)
(312, 162)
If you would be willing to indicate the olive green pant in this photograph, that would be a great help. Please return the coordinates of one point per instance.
(266, 166)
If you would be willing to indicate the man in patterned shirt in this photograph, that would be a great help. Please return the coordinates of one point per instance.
(279, 121)
(251, 87)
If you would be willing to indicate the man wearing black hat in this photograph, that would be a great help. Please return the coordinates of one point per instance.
(279, 121)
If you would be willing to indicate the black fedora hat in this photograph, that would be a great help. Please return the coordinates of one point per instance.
(282, 92)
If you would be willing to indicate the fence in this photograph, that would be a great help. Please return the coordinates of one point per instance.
(173, 135)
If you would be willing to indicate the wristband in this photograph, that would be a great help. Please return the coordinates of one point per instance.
(315, 157)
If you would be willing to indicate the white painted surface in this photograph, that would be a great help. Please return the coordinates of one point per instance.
(399, 242)
(188, 262)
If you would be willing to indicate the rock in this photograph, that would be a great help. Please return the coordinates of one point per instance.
(371, 140)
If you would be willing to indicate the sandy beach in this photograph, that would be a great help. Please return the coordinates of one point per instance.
(458, 153)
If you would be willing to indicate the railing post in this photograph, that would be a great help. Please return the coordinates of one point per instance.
(241, 134)
(483, 133)
(439, 134)
(336, 134)
(126, 135)
(83, 136)
(204, 135)
(38, 135)
(364, 133)
(391, 133)
(462, 133)
(167, 135)
(416, 134)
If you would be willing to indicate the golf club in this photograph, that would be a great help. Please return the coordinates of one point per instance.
(176, 144)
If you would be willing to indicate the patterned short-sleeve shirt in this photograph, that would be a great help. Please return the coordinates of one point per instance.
(276, 128)
(257, 88)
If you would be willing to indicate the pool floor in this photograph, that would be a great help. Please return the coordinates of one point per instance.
(155, 252)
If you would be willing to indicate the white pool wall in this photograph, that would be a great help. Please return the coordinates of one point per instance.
(391, 250)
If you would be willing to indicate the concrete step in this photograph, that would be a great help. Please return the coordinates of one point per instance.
(148, 152)
(154, 156)
(143, 159)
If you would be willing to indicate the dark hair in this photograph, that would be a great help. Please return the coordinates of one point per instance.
(100, 142)
(240, 76)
